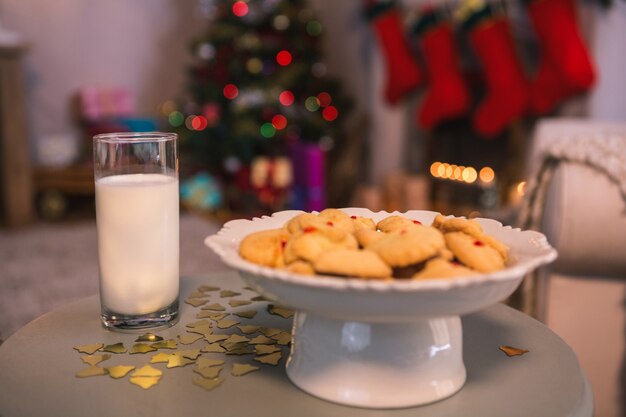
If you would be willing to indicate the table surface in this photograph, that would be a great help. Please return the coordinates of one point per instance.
(38, 366)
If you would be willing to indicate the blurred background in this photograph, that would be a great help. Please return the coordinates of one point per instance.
(458, 106)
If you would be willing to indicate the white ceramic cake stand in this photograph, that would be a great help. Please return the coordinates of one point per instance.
(380, 344)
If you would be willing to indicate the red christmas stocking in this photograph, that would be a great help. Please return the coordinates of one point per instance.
(565, 67)
(506, 97)
(447, 96)
(403, 74)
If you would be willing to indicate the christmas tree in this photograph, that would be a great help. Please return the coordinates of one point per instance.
(257, 91)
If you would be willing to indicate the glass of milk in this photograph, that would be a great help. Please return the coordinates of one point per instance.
(136, 179)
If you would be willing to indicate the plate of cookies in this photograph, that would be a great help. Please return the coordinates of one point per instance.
(378, 295)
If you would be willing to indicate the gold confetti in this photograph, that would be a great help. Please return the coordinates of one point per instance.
(190, 353)
(89, 349)
(214, 307)
(196, 302)
(146, 371)
(197, 294)
(209, 371)
(210, 315)
(237, 338)
(240, 349)
(142, 348)
(165, 344)
(144, 382)
(177, 361)
(199, 323)
(261, 340)
(248, 314)
(271, 359)
(247, 328)
(208, 384)
(249, 288)
(187, 339)
(91, 371)
(282, 338)
(237, 303)
(266, 349)
(149, 337)
(93, 360)
(281, 311)
(119, 371)
(259, 298)
(212, 338)
(240, 369)
(226, 323)
(213, 348)
(228, 293)
(512, 351)
(115, 348)
(160, 357)
(269, 331)
(208, 288)
(204, 362)
(204, 330)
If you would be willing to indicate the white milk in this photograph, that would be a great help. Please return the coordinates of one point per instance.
(138, 249)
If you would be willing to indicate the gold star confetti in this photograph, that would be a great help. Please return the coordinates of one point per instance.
(281, 311)
(149, 337)
(91, 371)
(213, 348)
(228, 293)
(240, 369)
(271, 359)
(282, 338)
(196, 302)
(269, 331)
(197, 294)
(209, 371)
(119, 371)
(208, 384)
(212, 338)
(142, 348)
(214, 307)
(266, 349)
(262, 340)
(210, 315)
(89, 349)
(512, 351)
(144, 382)
(204, 362)
(247, 328)
(176, 361)
(187, 339)
(160, 357)
(93, 360)
(199, 323)
(208, 288)
(226, 323)
(248, 314)
(115, 348)
(190, 353)
(165, 344)
(237, 303)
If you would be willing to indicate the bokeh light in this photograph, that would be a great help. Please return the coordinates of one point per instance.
(267, 130)
(330, 113)
(286, 98)
(240, 8)
(284, 58)
(486, 175)
(314, 28)
(312, 103)
(176, 118)
(279, 122)
(324, 98)
(254, 65)
(199, 123)
(231, 91)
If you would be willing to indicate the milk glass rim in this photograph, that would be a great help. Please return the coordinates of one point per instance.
(134, 137)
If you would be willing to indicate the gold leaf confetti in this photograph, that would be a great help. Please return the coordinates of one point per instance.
(165, 344)
(271, 359)
(119, 371)
(237, 303)
(269, 331)
(240, 349)
(204, 362)
(115, 348)
(160, 357)
(144, 382)
(259, 298)
(214, 307)
(199, 323)
(208, 384)
(213, 348)
(204, 330)
(240, 369)
(93, 360)
(142, 348)
(247, 328)
(190, 353)
(212, 338)
(147, 370)
(249, 288)
(262, 340)
(208, 288)
(248, 314)
(187, 339)
(282, 338)
(236, 338)
(91, 371)
(210, 315)
(89, 349)
(281, 311)
(209, 371)
(226, 323)
(512, 351)
(197, 294)
(196, 302)
(228, 293)
(266, 349)
(176, 361)
(149, 337)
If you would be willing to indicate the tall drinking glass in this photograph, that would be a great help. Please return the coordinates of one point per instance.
(137, 213)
